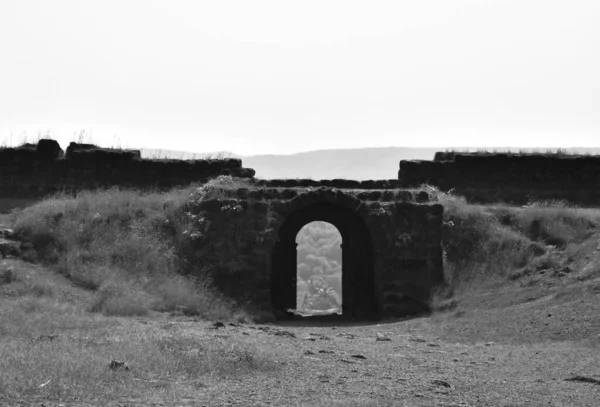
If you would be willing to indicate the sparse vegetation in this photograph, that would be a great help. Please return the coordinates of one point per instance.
(110, 240)
(490, 243)
(121, 251)
(124, 252)
(59, 352)
(125, 246)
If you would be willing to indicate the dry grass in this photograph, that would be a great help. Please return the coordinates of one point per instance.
(24, 138)
(80, 136)
(123, 245)
(217, 187)
(132, 249)
(59, 352)
(184, 156)
(492, 242)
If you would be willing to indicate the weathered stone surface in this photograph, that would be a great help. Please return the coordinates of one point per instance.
(33, 171)
(49, 150)
(388, 247)
(511, 178)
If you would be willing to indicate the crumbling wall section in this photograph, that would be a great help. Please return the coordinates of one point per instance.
(510, 178)
(36, 170)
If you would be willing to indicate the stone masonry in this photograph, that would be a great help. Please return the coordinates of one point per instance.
(511, 178)
(34, 171)
(391, 245)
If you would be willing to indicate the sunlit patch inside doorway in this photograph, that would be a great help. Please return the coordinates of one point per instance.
(319, 270)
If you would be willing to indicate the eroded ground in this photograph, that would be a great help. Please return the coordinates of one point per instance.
(511, 345)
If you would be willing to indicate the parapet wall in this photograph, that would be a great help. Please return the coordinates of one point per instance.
(35, 170)
(511, 178)
(333, 183)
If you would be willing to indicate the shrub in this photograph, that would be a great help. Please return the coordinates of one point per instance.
(216, 187)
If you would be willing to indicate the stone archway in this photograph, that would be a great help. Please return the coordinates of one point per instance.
(358, 277)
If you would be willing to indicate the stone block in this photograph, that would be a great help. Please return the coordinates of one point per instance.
(49, 150)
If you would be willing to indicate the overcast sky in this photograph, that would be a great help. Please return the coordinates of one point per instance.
(281, 77)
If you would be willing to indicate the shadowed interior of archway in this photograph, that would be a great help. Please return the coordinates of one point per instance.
(358, 279)
(319, 269)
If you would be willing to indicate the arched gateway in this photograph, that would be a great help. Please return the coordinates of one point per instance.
(391, 245)
(358, 278)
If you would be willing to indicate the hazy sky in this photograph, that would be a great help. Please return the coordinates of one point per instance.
(281, 76)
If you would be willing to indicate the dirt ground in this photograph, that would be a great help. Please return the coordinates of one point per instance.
(408, 363)
(508, 346)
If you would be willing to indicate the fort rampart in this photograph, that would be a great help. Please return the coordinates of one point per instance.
(36, 170)
(511, 178)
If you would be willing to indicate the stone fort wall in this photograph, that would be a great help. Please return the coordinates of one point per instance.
(35, 170)
(240, 229)
(242, 226)
(510, 178)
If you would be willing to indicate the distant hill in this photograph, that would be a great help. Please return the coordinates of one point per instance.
(358, 164)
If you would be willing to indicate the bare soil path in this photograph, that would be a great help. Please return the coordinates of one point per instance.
(405, 363)
(410, 363)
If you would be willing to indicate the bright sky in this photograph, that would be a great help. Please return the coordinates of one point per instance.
(286, 76)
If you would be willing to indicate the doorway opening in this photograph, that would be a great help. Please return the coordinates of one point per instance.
(360, 300)
(319, 269)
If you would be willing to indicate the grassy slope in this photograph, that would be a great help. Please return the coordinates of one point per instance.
(521, 274)
(124, 246)
(515, 275)
(104, 260)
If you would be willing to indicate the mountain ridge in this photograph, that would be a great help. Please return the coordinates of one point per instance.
(351, 163)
